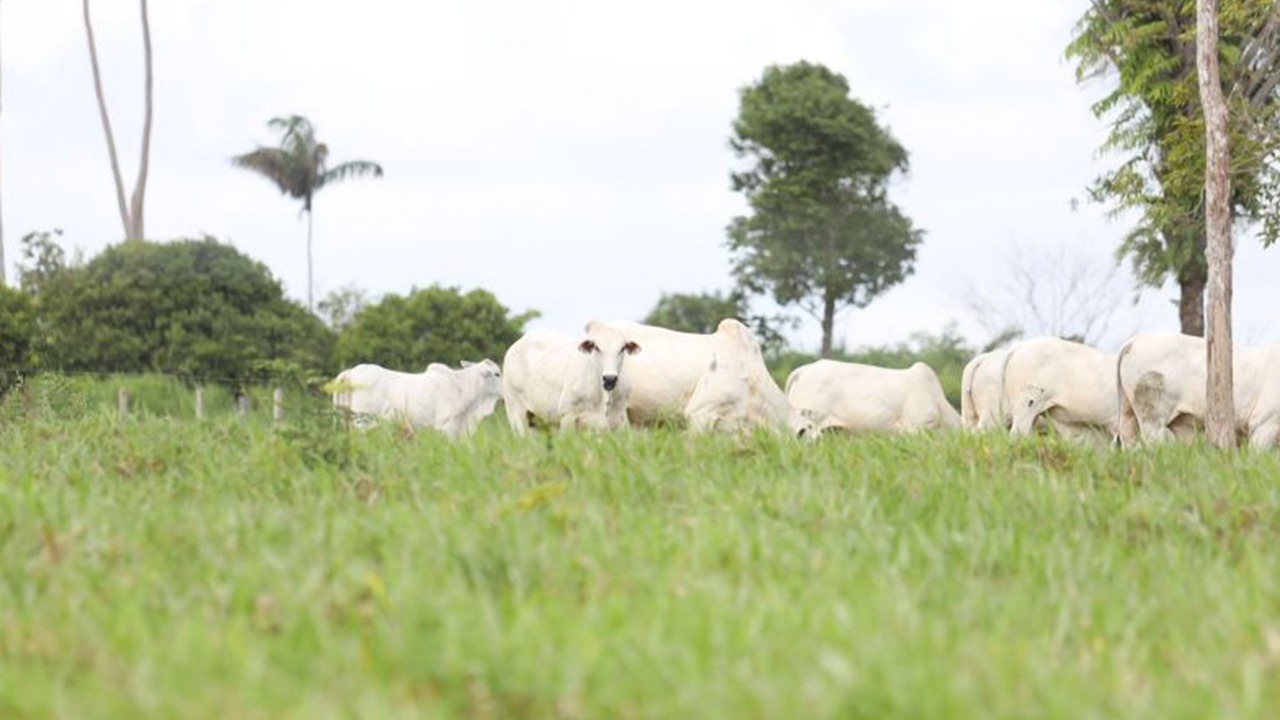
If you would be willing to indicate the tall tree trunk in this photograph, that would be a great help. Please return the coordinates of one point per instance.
(310, 304)
(140, 186)
(828, 323)
(3, 271)
(106, 125)
(1220, 424)
(1191, 285)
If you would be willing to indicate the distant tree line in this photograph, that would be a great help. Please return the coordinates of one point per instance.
(201, 310)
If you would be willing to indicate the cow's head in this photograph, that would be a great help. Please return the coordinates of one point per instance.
(609, 346)
(490, 376)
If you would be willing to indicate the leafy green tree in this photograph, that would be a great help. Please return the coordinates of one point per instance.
(1158, 129)
(434, 324)
(822, 233)
(696, 313)
(17, 334)
(702, 312)
(300, 168)
(195, 308)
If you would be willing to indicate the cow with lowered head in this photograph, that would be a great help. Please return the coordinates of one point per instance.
(440, 398)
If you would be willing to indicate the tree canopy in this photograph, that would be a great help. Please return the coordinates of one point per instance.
(822, 233)
(1158, 129)
(434, 324)
(194, 308)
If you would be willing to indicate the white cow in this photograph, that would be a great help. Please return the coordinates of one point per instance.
(1161, 390)
(441, 398)
(713, 382)
(866, 398)
(573, 382)
(982, 402)
(1068, 386)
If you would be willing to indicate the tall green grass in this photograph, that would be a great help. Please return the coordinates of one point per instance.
(172, 569)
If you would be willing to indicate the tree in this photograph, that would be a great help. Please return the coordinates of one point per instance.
(1149, 45)
(702, 313)
(299, 167)
(3, 267)
(822, 233)
(1220, 423)
(1051, 291)
(195, 308)
(17, 334)
(131, 215)
(435, 324)
(340, 306)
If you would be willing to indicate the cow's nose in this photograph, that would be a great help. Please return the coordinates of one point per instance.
(610, 381)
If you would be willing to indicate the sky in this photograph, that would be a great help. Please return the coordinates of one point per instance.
(572, 156)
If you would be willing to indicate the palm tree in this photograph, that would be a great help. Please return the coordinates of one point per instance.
(299, 167)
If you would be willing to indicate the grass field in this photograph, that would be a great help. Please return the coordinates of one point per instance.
(173, 569)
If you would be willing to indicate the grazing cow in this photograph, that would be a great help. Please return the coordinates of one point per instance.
(441, 398)
(866, 398)
(982, 402)
(572, 382)
(713, 382)
(1256, 390)
(1161, 390)
(1068, 386)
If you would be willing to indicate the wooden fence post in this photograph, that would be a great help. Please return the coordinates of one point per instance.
(242, 402)
(199, 402)
(122, 403)
(277, 405)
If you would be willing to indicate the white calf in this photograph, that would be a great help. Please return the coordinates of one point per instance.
(567, 381)
(440, 398)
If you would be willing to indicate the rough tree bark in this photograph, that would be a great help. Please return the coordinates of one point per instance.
(1191, 287)
(1220, 426)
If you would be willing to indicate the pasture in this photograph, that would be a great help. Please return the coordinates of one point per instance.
(169, 568)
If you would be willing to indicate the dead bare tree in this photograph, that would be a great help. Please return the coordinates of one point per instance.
(1052, 291)
(132, 213)
(1220, 425)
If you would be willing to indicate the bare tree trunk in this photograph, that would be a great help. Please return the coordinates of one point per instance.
(310, 304)
(3, 281)
(106, 125)
(1220, 424)
(1191, 284)
(140, 187)
(828, 324)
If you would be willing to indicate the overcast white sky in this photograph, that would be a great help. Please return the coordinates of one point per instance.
(568, 156)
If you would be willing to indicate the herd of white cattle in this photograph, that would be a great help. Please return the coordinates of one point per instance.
(618, 374)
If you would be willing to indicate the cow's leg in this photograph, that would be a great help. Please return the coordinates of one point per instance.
(1262, 436)
(517, 415)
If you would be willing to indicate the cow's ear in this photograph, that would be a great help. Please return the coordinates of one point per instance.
(586, 347)
(632, 348)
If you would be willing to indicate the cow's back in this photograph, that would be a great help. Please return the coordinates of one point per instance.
(664, 374)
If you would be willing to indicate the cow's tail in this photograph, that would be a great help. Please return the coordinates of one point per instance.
(1126, 431)
(968, 413)
(948, 418)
